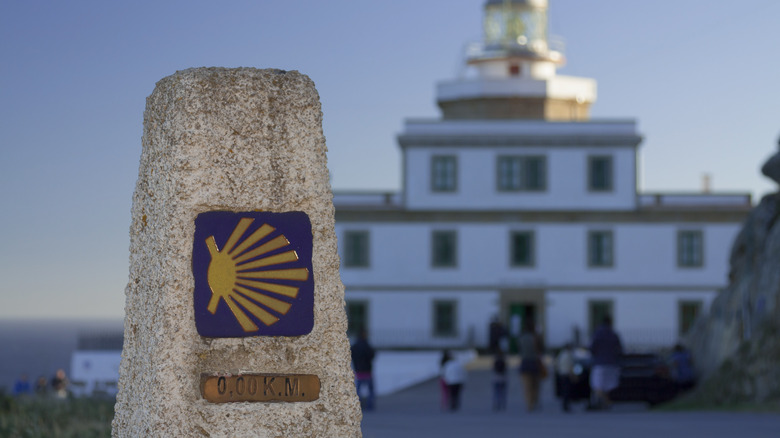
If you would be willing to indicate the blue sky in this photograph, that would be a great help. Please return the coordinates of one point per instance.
(700, 76)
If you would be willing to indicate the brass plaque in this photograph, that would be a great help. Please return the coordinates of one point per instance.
(260, 388)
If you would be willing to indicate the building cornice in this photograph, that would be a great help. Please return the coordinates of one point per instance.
(421, 140)
(667, 215)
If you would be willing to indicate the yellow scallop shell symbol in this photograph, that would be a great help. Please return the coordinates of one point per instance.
(233, 277)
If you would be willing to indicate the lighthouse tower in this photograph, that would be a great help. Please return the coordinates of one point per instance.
(515, 69)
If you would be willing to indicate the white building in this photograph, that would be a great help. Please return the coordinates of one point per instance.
(515, 202)
(94, 365)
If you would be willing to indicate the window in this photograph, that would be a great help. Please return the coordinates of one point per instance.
(516, 173)
(600, 173)
(444, 173)
(357, 317)
(445, 318)
(690, 249)
(688, 311)
(597, 311)
(600, 253)
(444, 249)
(356, 249)
(514, 70)
(522, 248)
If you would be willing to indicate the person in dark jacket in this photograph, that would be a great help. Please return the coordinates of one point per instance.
(682, 368)
(606, 350)
(362, 361)
(497, 333)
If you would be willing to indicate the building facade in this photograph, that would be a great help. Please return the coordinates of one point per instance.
(516, 204)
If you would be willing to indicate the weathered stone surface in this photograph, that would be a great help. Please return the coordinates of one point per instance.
(240, 140)
(736, 347)
(749, 375)
(752, 295)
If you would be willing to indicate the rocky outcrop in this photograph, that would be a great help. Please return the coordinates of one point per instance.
(727, 344)
(771, 169)
(751, 375)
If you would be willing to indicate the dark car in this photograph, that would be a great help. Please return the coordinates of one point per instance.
(643, 378)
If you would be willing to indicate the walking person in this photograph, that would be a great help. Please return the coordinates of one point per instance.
(454, 375)
(497, 334)
(564, 367)
(606, 351)
(362, 361)
(499, 381)
(531, 366)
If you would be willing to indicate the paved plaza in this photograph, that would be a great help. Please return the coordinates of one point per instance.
(415, 412)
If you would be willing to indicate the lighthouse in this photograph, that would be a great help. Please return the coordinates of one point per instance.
(517, 205)
(514, 71)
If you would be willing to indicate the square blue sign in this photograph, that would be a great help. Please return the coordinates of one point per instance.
(253, 274)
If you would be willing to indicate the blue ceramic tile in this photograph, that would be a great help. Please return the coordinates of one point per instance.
(253, 274)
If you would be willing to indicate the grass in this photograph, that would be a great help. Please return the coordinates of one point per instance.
(36, 417)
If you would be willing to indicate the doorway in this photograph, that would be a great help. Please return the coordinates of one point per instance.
(517, 305)
(519, 313)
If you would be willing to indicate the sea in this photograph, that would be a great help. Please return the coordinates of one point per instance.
(39, 347)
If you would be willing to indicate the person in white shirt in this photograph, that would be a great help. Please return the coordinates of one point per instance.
(564, 367)
(454, 375)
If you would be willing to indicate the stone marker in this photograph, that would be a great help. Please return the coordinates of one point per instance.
(235, 322)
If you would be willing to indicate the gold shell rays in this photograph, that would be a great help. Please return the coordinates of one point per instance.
(232, 278)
